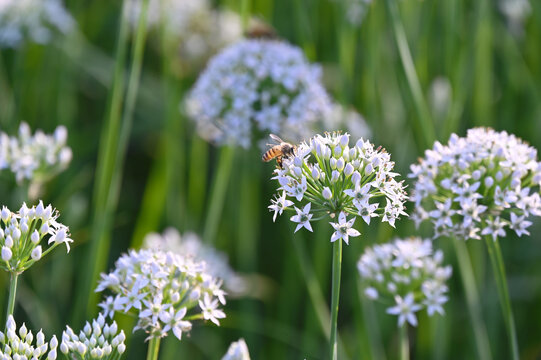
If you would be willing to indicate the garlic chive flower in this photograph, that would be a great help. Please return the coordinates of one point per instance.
(484, 184)
(256, 87)
(35, 157)
(98, 340)
(32, 20)
(164, 290)
(24, 234)
(327, 178)
(407, 274)
(189, 244)
(238, 350)
(19, 344)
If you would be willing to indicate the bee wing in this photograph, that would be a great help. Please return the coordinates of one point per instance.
(276, 138)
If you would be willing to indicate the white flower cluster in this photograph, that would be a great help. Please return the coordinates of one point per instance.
(256, 87)
(355, 10)
(199, 30)
(238, 350)
(478, 185)
(35, 157)
(96, 341)
(21, 234)
(347, 120)
(165, 290)
(328, 178)
(410, 273)
(216, 262)
(516, 13)
(32, 20)
(18, 345)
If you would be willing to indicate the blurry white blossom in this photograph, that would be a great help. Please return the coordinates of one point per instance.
(408, 273)
(195, 26)
(482, 184)
(24, 235)
(238, 350)
(440, 96)
(256, 87)
(516, 13)
(96, 341)
(355, 10)
(32, 20)
(189, 244)
(164, 290)
(19, 344)
(35, 157)
(348, 120)
(327, 178)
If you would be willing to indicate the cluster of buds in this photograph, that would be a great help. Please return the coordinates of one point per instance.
(482, 184)
(18, 345)
(23, 232)
(238, 350)
(96, 341)
(408, 274)
(325, 177)
(165, 291)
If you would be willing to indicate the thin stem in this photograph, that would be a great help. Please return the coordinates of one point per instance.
(335, 298)
(498, 267)
(12, 293)
(217, 197)
(472, 299)
(425, 124)
(153, 349)
(404, 343)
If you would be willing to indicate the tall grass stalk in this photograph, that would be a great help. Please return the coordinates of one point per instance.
(472, 299)
(496, 259)
(404, 343)
(335, 296)
(112, 150)
(153, 348)
(425, 126)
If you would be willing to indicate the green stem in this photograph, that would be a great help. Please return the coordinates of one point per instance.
(425, 124)
(472, 299)
(245, 14)
(12, 293)
(404, 344)
(217, 197)
(335, 298)
(498, 267)
(153, 349)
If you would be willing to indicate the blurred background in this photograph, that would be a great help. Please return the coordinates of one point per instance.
(417, 71)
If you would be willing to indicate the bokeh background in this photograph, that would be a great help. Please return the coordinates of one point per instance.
(474, 63)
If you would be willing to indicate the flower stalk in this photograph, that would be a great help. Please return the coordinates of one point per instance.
(12, 293)
(335, 297)
(153, 348)
(404, 343)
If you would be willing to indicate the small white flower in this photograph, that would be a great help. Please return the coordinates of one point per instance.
(279, 205)
(210, 310)
(343, 229)
(303, 218)
(36, 253)
(405, 308)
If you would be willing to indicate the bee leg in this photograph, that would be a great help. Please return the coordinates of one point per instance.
(279, 161)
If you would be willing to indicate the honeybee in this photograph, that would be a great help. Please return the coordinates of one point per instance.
(260, 30)
(279, 151)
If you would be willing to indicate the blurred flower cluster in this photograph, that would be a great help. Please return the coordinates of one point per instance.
(18, 345)
(22, 233)
(328, 178)
(166, 291)
(478, 185)
(256, 87)
(407, 273)
(216, 262)
(35, 157)
(96, 341)
(32, 20)
(516, 13)
(196, 28)
(238, 350)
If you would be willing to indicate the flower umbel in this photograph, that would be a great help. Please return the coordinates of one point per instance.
(329, 179)
(166, 291)
(23, 235)
(482, 184)
(409, 274)
(19, 344)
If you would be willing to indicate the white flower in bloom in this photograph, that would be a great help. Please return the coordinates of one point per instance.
(22, 232)
(194, 26)
(189, 244)
(171, 288)
(98, 340)
(256, 87)
(409, 274)
(303, 218)
(478, 185)
(35, 157)
(279, 204)
(32, 20)
(327, 178)
(19, 345)
(238, 350)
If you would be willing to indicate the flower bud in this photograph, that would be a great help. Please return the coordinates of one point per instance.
(333, 163)
(348, 170)
(476, 175)
(340, 164)
(315, 173)
(368, 169)
(327, 194)
(344, 140)
(499, 176)
(335, 176)
(6, 253)
(5, 214)
(16, 234)
(9, 241)
(34, 237)
(356, 177)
